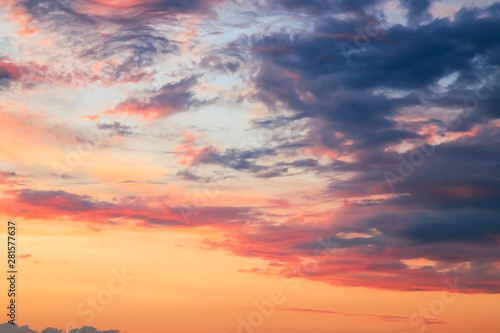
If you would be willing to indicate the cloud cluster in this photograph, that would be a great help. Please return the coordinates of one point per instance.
(361, 102)
(143, 211)
(350, 99)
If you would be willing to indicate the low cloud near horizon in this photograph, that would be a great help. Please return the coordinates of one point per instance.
(8, 328)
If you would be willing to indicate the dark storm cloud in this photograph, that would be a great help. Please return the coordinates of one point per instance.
(418, 10)
(460, 227)
(399, 57)
(360, 115)
(346, 86)
(454, 179)
(421, 227)
(455, 175)
(353, 98)
(326, 5)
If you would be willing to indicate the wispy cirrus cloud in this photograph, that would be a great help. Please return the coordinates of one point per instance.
(171, 98)
(379, 317)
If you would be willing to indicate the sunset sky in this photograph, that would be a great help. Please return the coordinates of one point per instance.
(264, 166)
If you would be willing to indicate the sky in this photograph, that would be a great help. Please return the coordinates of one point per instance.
(263, 166)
